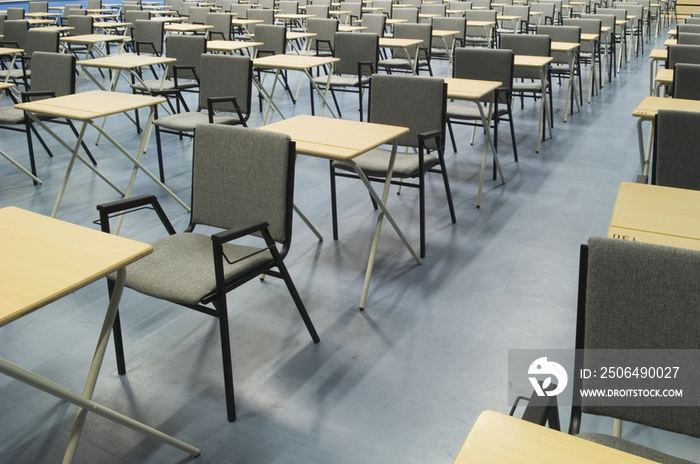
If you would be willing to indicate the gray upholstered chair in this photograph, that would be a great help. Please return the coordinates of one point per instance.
(222, 26)
(688, 38)
(675, 160)
(148, 37)
(400, 58)
(15, 34)
(480, 35)
(325, 29)
(274, 42)
(243, 184)
(15, 14)
(520, 26)
(375, 24)
(409, 14)
(354, 15)
(198, 15)
(546, 16)
(560, 66)
(442, 48)
(225, 85)
(37, 40)
(419, 104)
(91, 4)
(184, 73)
(358, 54)
(686, 81)
(636, 296)
(53, 76)
(689, 54)
(486, 64)
(266, 15)
(318, 11)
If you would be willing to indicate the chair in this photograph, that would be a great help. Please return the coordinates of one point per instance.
(319, 12)
(37, 40)
(635, 29)
(267, 4)
(560, 67)
(590, 53)
(325, 29)
(619, 36)
(91, 5)
(688, 38)
(689, 54)
(461, 6)
(15, 34)
(15, 14)
(198, 15)
(692, 28)
(480, 35)
(148, 37)
(430, 9)
(547, 16)
(521, 24)
(536, 45)
(273, 40)
(695, 20)
(267, 17)
(419, 104)
(242, 183)
(635, 296)
(375, 24)
(126, 8)
(558, 18)
(456, 40)
(486, 64)
(38, 7)
(405, 59)
(225, 84)
(354, 13)
(53, 75)
(675, 159)
(222, 26)
(358, 54)
(409, 14)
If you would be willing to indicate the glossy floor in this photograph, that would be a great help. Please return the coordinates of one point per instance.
(401, 381)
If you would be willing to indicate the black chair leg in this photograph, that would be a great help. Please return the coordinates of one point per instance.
(334, 206)
(160, 155)
(452, 136)
(512, 133)
(226, 358)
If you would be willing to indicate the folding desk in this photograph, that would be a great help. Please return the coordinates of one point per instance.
(86, 107)
(295, 63)
(497, 438)
(592, 39)
(656, 55)
(442, 34)
(43, 260)
(646, 111)
(569, 48)
(654, 214)
(5, 86)
(185, 28)
(342, 139)
(392, 42)
(91, 40)
(124, 62)
(663, 78)
(229, 46)
(540, 63)
(474, 90)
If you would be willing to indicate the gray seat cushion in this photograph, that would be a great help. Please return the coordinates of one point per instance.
(10, 115)
(632, 448)
(467, 111)
(167, 85)
(375, 163)
(187, 121)
(187, 257)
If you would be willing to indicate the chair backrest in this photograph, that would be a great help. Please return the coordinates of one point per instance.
(486, 64)
(267, 4)
(619, 14)
(15, 14)
(423, 32)
(416, 102)
(187, 49)
(2, 24)
(243, 176)
(547, 10)
(589, 26)
(226, 76)
(39, 7)
(355, 12)
(688, 38)
(39, 40)
(325, 29)
(53, 72)
(186, 7)
(638, 296)
(322, 2)
(91, 4)
(131, 16)
(694, 28)
(523, 11)
(319, 11)
(676, 160)
(288, 7)
(148, 36)
(481, 4)
(375, 24)
(68, 9)
(16, 33)
(452, 24)
(409, 14)
(413, 3)
(567, 33)
(267, 17)
(385, 5)
(461, 6)
(240, 8)
(691, 20)
(273, 38)
(353, 49)
(479, 15)
(222, 26)
(683, 54)
(434, 9)
(226, 5)
(198, 15)
(527, 44)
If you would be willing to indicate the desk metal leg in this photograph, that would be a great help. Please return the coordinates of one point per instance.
(323, 94)
(268, 98)
(85, 402)
(20, 167)
(381, 203)
(543, 112)
(645, 155)
(486, 121)
(572, 85)
(272, 93)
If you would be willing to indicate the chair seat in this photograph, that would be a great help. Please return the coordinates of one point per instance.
(187, 121)
(375, 162)
(633, 448)
(467, 111)
(340, 81)
(10, 115)
(187, 257)
(399, 63)
(14, 74)
(527, 86)
(167, 85)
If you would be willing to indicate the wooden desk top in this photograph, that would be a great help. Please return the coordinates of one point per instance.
(531, 61)
(469, 89)
(292, 35)
(443, 33)
(659, 215)
(658, 54)
(125, 61)
(245, 22)
(294, 62)
(564, 46)
(393, 42)
(587, 37)
(664, 76)
(650, 105)
(339, 139)
(94, 38)
(10, 51)
(6, 85)
(90, 105)
(391, 21)
(296, 16)
(343, 28)
(45, 259)
(187, 27)
(42, 14)
(668, 42)
(497, 438)
(480, 23)
(230, 45)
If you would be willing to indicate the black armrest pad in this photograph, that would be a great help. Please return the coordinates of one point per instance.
(429, 135)
(232, 234)
(128, 203)
(642, 179)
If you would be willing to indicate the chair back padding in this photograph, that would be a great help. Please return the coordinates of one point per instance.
(686, 81)
(53, 72)
(375, 24)
(478, 15)
(187, 49)
(272, 37)
(683, 54)
(266, 15)
(688, 38)
(486, 64)
(39, 40)
(521, 44)
(571, 34)
(451, 24)
(198, 15)
(40, 7)
(676, 160)
(16, 33)
(325, 29)
(91, 4)
(319, 11)
(641, 296)
(352, 48)
(226, 76)
(15, 14)
(590, 24)
(222, 26)
(82, 25)
(423, 32)
(409, 101)
(148, 36)
(409, 14)
(693, 28)
(131, 16)
(242, 176)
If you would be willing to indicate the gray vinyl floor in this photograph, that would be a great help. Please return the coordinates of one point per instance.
(401, 381)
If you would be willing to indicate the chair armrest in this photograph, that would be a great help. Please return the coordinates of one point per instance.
(423, 136)
(365, 64)
(166, 93)
(212, 100)
(642, 179)
(27, 96)
(120, 207)
(232, 234)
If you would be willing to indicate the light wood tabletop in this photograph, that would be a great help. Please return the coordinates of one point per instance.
(182, 28)
(230, 45)
(44, 259)
(126, 61)
(497, 438)
(294, 62)
(469, 89)
(94, 38)
(648, 108)
(655, 214)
